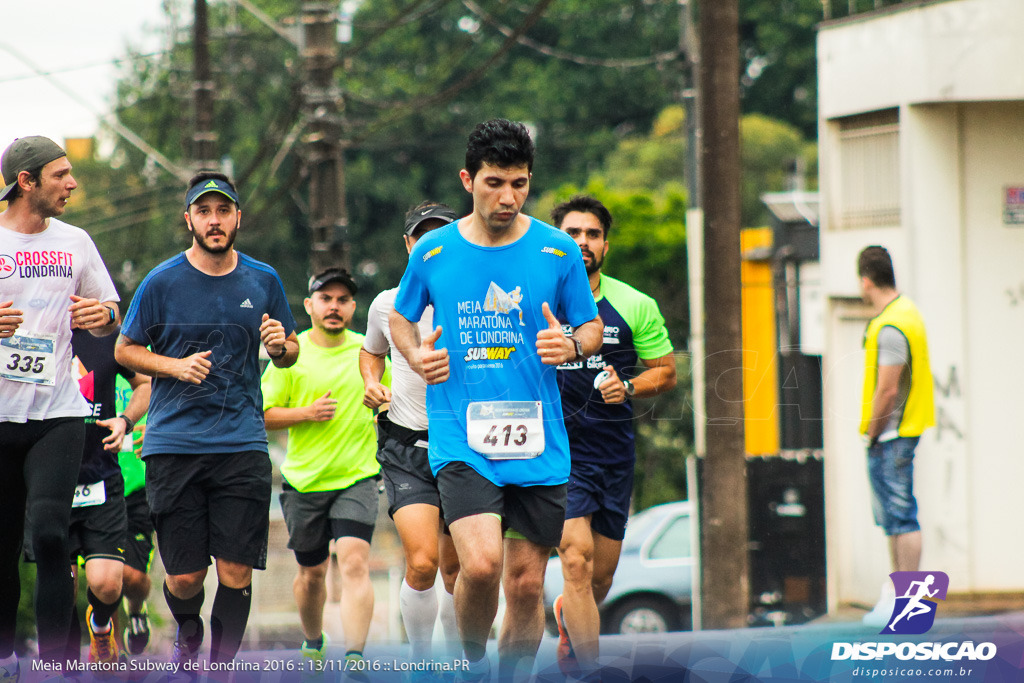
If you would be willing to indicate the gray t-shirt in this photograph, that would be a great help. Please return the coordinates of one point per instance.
(893, 349)
(408, 390)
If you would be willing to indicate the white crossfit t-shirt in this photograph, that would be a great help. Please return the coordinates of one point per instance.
(40, 272)
(408, 390)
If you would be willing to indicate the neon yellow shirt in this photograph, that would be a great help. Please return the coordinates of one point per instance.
(331, 455)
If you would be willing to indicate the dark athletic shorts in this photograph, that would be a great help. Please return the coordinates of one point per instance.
(602, 491)
(99, 531)
(536, 512)
(138, 552)
(210, 504)
(406, 473)
(315, 518)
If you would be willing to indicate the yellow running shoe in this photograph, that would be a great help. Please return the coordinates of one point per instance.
(102, 646)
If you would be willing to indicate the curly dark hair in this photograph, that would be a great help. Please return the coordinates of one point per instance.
(501, 143)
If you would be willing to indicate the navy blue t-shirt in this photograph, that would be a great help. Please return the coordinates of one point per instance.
(634, 331)
(178, 311)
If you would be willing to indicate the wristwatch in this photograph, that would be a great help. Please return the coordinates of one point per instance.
(129, 424)
(578, 345)
(630, 389)
(113, 316)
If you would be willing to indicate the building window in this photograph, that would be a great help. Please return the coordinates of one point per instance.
(867, 191)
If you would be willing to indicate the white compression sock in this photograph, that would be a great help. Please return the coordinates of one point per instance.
(451, 628)
(419, 610)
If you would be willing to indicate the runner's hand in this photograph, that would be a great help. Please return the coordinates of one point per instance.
(553, 347)
(10, 318)
(272, 335)
(88, 314)
(376, 395)
(193, 369)
(612, 389)
(322, 409)
(433, 365)
(116, 425)
(138, 436)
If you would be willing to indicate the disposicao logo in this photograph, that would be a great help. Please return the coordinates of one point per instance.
(914, 614)
(916, 593)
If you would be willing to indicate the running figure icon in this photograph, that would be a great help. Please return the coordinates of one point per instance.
(916, 592)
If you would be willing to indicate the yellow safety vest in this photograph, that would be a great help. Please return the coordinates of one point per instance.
(919, 411)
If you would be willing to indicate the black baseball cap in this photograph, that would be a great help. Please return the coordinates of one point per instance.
(333, 275)
(210, 185)
(27, 154)
(438, 211)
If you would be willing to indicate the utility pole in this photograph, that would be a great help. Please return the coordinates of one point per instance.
(725, 576)
(689, 94)
(325, 161)
(204, 139)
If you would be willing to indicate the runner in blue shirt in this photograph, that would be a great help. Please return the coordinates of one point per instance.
(636, 360)
(498, 447)
(205, 313)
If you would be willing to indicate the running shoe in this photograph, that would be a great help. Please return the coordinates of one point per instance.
(11, 672)
(313, 659)
(186, 648)
(354, 669)
(565, 655)
(136, 636)
(465, 676)
(102, 646)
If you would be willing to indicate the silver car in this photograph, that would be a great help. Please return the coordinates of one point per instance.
(654, 581)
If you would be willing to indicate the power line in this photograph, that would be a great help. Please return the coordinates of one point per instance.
(463, 83)
(117, 61)
(564, 55)
(408, 15)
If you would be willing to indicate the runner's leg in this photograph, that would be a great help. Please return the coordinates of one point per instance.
(51, 470)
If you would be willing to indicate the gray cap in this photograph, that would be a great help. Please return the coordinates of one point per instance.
(27, 154)
(332, 275)
(437, 211)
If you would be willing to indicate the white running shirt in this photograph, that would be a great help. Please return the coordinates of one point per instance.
(408, 390)
(40, 272)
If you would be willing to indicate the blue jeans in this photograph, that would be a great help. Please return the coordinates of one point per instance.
(891, 470)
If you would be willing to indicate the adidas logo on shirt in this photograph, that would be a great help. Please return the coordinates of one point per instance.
(246, 304)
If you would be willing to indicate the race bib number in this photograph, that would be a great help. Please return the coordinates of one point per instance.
(29, 357)
(506, 430)
(90, 494)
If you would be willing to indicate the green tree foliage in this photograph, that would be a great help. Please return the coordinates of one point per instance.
(777, 51)
(772, 152)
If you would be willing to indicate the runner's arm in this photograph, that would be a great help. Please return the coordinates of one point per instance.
(659, 377)
(884, 401)
(99, 317)
(591, 336)
(371, 368)
(319, 410)
(137, 357)
(429, 363)
(137, 406)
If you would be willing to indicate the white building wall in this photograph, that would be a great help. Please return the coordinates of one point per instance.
(953, 70)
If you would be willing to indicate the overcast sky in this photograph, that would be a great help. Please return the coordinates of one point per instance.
(77, 42)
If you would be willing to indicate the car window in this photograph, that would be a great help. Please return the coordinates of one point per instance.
(639, 527)
(674, 541)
